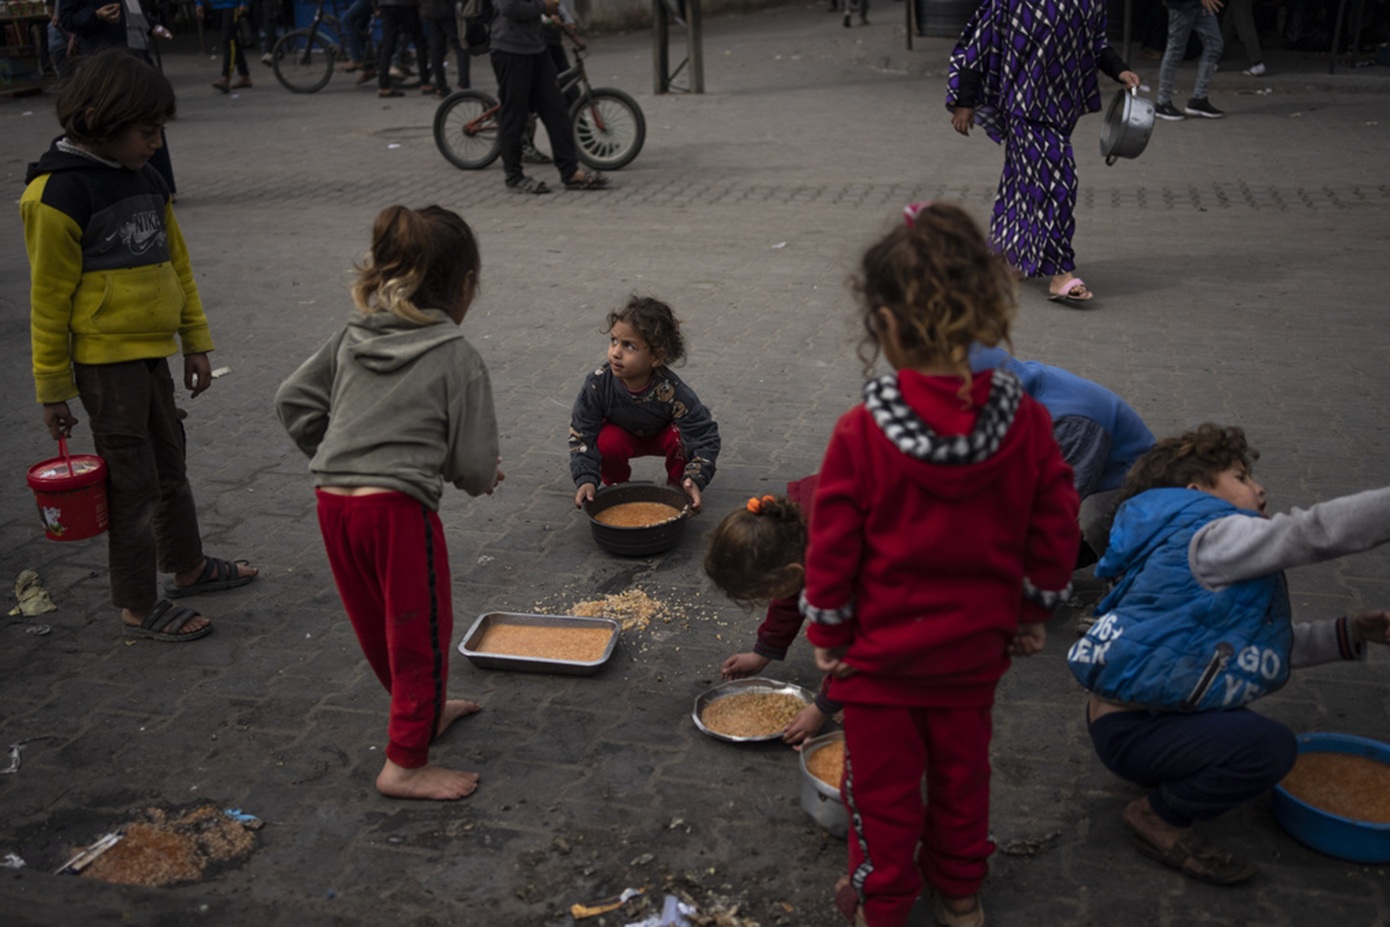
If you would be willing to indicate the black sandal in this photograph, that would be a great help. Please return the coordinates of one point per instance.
(165, 623)
(217, 575)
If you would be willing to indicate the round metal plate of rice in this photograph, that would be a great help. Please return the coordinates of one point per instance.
(738, 686)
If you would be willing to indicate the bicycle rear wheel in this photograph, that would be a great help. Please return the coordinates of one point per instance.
(608, 127)
(303, 62)
(465, 129)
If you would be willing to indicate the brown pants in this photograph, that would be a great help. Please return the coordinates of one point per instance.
(138, 432)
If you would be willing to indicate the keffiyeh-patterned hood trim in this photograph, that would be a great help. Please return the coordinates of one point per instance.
(905, 428)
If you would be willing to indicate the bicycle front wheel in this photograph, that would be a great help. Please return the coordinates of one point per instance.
(303, 61)
(465, 129)
(608, 127)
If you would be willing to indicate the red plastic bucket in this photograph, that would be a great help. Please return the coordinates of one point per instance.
(71, 493)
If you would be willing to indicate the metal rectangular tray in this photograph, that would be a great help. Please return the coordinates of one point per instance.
(501, 661)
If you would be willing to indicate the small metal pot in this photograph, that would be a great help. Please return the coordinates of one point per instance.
(821, 800)
(1129, 121)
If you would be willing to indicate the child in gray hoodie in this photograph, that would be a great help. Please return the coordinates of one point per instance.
(389, 408)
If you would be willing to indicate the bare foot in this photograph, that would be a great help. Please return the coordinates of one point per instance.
(961, 905)
(430, 782)
(1140, 817)
(454, 709)
(132, 618)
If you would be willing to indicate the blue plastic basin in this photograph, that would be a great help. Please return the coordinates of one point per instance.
(1344, 838)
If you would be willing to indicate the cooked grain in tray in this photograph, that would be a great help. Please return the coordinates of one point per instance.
(828, 763)
(751, 714)
(578, 644)
(1355, 787)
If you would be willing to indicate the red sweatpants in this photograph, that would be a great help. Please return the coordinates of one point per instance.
(392, 569)
(617, 446)
(887, 750)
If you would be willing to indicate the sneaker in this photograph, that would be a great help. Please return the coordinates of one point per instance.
(1199, 106)
(531, 155)
(1168, 111)
(389, 92)
(242, 81)
(221, 84)
(427, 89)
(267, 58)
(1255, 70)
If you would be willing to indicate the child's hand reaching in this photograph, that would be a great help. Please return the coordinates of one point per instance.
(693, 492)
(1028, 639)
(828, 660)
(743, 664)
(1372, 627)
(804, 726)
(583, 494)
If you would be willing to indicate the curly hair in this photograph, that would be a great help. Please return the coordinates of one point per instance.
(943, 284)
(1198, 456)
(420, 259)
(755, 552)
(108, 93)
(656, 323)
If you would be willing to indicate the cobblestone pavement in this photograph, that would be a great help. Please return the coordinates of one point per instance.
(1237, 266)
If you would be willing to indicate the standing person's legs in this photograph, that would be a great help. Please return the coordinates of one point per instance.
(1209, 31)
(461, 56)
(416, 30)
(389, 560)
(227, 36)
(238, 51)
(515, 75)
(1034, 212)
(1240, 18)
(391, 22)
(433, 75)
(882, 790)
(955, 834)
(355, 22)
(1179, 29)
(153, 519)
(549, 104)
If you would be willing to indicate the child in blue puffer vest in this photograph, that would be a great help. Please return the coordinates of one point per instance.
(1197, 626)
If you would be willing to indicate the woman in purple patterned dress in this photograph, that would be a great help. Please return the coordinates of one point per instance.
(1025, 70)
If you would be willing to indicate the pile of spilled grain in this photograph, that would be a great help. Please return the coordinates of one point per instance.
(163, 849)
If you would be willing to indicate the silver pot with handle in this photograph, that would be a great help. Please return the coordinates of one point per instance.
(1129, 121)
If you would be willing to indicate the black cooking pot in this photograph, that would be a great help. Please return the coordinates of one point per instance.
(638, 542)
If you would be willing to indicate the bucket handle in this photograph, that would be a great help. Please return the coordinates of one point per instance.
(63, 452)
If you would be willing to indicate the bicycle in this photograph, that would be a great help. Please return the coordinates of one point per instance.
(607, 124)
(303, 59)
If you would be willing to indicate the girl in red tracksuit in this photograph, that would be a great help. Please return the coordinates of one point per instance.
(943, 533)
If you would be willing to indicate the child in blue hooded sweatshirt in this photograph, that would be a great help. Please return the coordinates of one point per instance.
(1101, 436)
(1197, 626)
